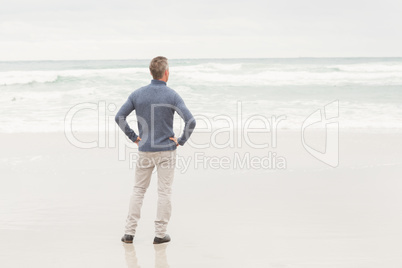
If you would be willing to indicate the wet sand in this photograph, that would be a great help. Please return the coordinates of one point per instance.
(62, 206)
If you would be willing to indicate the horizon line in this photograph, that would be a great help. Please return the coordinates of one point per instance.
(226, 58)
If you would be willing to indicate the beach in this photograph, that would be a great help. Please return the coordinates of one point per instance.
(293, 163)
(63, 206)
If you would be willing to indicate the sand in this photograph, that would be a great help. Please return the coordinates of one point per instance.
(62, 206)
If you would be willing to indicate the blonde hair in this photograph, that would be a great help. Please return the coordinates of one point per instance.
(158, 66)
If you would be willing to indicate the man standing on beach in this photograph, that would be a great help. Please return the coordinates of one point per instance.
(155, 105)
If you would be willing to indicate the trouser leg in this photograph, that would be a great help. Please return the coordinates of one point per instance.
(165, 168)
(143, 173)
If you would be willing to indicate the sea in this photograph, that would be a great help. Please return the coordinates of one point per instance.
(49, 96)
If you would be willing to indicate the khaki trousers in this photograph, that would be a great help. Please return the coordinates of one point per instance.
(165, 162)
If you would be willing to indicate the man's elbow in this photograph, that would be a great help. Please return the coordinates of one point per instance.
(192, 123)
(117, 118)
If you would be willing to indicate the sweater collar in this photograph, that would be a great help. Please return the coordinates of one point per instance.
(158, 82)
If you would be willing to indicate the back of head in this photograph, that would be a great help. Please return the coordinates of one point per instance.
(158, 66)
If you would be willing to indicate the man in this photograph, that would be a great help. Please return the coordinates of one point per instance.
(155, 105)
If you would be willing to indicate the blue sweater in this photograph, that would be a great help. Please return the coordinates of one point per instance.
(155, 105)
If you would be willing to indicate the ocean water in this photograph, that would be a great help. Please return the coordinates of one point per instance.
(38, 96)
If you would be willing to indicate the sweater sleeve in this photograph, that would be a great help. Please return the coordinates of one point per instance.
(121, 116)
(188, 118)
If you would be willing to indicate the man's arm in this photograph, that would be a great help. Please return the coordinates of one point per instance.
(188, 118)
(121, 116)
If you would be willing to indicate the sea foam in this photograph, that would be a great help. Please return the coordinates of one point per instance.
(36, 96)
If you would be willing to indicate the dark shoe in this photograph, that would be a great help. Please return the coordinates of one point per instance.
(158, 240)
(127, 238)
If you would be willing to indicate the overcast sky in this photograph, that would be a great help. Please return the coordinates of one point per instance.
(129, 29)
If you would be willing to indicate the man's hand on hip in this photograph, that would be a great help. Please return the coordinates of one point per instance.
(175, 140)
(137, 140)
